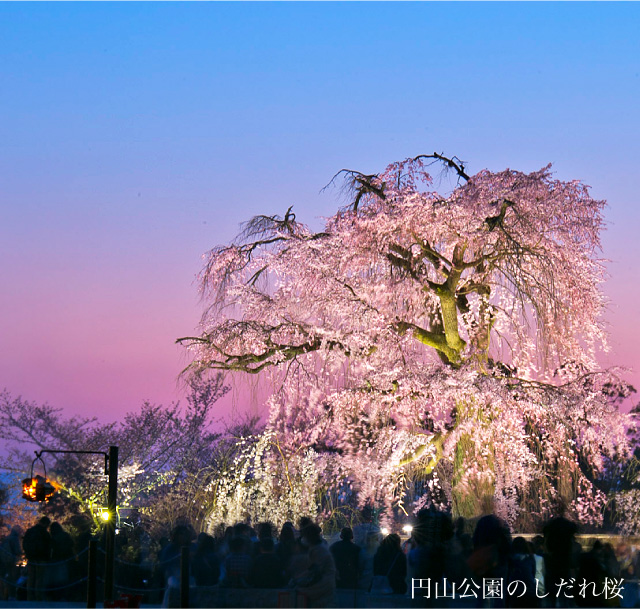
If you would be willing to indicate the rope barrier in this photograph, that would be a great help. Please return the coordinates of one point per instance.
(142, 590)
(25, 587)
(136, 564)
(51, 564)
(156, 563)
(175, 558)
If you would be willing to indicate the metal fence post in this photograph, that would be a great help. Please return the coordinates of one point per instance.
(92, 574)
(184, 577)
(110, 527)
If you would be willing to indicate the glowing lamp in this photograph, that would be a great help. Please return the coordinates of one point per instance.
(106, 516)
(384, 531)
(37, 489)
(407, 528)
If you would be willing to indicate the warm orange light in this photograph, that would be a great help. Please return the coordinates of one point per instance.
(29, 489)
(37, 489)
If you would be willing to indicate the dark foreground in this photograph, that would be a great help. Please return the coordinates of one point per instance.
(288, 598)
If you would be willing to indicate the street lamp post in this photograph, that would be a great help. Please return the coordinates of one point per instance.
(110, 528)
(37, 489)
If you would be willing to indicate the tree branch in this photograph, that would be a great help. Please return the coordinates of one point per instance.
(455, 163)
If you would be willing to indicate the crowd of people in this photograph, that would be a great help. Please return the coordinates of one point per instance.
(48, 550)
(244, 558)
(439, 557)
(535, 572)
(548, 570)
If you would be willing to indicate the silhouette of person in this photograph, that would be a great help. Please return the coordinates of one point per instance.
(61, 555)
(237, 564)
(559, 536)
(391, 561)
(10, 554)
(522, 568)
(206, 565)
(286, 545)
(266, 570)
(434, 556)
(37, 550)
(170, 561)
(320, 585)
(346, 556)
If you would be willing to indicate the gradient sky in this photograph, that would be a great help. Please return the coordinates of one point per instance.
(136, 136)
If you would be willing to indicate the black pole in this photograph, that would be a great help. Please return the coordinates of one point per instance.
(92, 574)
(184, 577)
(110, 528)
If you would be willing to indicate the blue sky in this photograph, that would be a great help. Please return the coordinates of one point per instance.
(136, 136)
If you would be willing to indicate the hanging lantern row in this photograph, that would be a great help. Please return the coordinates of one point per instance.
(37, 488)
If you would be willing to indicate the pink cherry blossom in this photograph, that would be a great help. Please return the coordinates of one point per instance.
(429, 347)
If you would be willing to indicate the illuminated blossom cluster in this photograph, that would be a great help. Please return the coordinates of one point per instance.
(628, 506)
(439, 347)
(261, 485)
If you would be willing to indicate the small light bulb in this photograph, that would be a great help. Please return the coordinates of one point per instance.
(407, 528)
(105, 516)
(384, 530)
